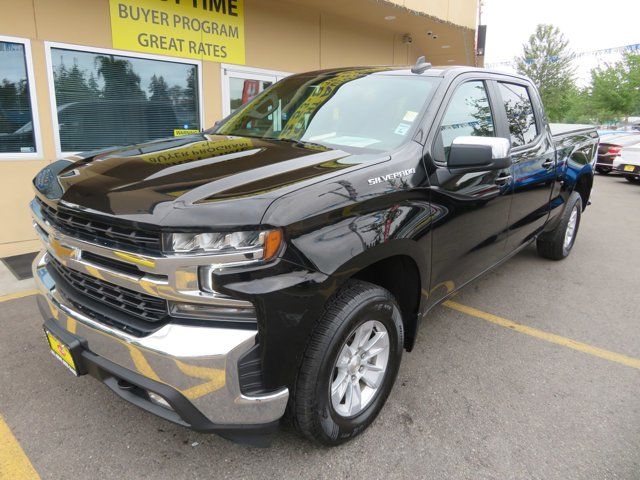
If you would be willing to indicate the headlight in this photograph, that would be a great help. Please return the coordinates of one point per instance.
(237, 246)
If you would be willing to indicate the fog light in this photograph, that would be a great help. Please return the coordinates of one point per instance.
(202, 311)
(158, 400)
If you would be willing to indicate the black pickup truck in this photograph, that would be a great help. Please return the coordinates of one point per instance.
(283, 260)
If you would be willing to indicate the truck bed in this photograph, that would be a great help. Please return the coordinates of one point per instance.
(562, 129)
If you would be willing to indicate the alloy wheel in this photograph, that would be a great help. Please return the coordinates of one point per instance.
(360, 368)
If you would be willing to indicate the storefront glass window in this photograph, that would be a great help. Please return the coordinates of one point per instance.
(241, 90)
(107, 100)
(16, 120)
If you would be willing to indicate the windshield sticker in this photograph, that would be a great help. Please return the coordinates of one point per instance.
(402, 129)
(410, 116)
(324, 136)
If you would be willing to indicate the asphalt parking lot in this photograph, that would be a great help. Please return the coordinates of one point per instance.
(477, 398)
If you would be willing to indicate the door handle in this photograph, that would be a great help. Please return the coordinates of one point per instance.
(547, 163)
(502, 179)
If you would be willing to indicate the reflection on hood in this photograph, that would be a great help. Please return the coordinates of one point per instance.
(147, 182)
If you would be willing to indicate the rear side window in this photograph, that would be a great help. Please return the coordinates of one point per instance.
(522, 120)
(468, 114)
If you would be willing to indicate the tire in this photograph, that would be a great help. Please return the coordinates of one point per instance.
(632, 179)
(357, 305)
(603, 170)
(554, 244)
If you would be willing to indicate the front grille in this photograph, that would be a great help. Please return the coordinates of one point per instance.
(112, 264)
(139, 305)
(99, 229)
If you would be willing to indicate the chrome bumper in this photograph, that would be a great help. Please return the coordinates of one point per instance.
(199, 362)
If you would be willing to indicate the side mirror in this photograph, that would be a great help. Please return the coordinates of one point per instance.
(475, 154)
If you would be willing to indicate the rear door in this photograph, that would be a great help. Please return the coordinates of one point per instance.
(534, 161)
(469, 232)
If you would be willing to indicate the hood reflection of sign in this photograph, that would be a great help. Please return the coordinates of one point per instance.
(201, 29)
(197, 151)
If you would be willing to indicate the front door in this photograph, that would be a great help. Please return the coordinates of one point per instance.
(473, 208)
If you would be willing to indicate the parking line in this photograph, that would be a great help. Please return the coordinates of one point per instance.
(542, 335)
(14, 296)
(14, 463)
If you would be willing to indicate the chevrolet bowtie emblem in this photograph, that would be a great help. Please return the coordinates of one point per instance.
(62, 253)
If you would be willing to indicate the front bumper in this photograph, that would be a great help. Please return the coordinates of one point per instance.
(194, 368)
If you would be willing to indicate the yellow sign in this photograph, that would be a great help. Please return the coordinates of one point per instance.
(201, 29)
(179, 132)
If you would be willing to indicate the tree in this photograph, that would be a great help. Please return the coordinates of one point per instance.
(8, 96)
(547, 61)
(191, 91)
(94, 88)
(581, 109)
(71, 85)
(159, 89)
(632, 61)
(120, 81)
(615, 89)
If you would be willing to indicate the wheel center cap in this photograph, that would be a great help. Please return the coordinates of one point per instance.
(354, 364)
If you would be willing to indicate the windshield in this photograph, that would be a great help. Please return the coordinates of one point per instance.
(352, 108)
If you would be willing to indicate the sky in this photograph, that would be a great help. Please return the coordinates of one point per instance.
(12, 60)
(587, 24)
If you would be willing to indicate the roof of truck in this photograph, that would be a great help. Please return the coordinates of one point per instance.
(433, 71)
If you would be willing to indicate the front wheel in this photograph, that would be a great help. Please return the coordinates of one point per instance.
(349, 365)
(557, 243)
(632, 179)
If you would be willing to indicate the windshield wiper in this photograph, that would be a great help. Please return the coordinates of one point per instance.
(301, 142)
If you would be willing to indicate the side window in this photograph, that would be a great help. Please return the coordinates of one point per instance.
(17, 134)
(468, 114)
(522, 121)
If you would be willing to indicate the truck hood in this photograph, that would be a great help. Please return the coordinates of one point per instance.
(193, 181)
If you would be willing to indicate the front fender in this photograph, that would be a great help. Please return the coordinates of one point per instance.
(338, 228)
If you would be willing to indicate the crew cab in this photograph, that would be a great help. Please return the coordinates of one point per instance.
(284, 259)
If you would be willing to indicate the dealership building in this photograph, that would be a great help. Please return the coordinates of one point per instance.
(78, 75)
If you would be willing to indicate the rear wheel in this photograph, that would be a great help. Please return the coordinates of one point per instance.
(603, 170)
(557, 243)
(349, 365)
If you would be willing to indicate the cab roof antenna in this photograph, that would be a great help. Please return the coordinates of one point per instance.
(421, 65)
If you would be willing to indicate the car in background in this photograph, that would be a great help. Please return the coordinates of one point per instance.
(611, 147)
(628, 163)
(88, 125)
